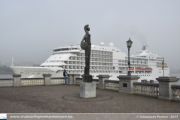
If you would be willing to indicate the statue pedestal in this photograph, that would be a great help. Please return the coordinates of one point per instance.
(87, 89)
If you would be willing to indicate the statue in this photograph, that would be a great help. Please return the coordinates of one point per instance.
(86, 45)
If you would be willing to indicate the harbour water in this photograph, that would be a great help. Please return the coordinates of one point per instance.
(10, 76)
(6, 76)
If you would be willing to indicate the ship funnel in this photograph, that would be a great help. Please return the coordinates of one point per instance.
(145, 47)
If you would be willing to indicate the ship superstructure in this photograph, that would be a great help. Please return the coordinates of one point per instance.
(104, 60)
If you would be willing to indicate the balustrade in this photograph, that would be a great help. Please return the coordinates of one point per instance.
(96, 81)
(32, 81)
(111, 85)
(6, 82)
(59, 80)
(78, 81)
(147, 89)
(157, 90)
(176, 92)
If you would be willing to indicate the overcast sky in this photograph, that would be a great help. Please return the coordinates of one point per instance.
(30, 29)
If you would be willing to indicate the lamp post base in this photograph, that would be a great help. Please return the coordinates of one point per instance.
(87, 78)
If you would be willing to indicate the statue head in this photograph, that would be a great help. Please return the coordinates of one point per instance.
(86, 28)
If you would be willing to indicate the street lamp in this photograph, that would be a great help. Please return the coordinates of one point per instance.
(129, 43)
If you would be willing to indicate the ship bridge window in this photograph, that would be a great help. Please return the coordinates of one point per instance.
(62, 49)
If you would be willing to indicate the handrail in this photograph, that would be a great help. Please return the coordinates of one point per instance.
(112, 81)
(6, 78)
(175, 86)
(57, 77)
(147, 84)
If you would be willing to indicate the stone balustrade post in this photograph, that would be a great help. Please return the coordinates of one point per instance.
(126, 83)
(72, 78)
(102, 78)
(47, 79)
(17, 80)
(165, 83)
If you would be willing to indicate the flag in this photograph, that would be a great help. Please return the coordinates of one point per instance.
(163, 64)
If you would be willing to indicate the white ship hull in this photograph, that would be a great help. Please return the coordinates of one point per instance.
(104, 60)
(36, 72)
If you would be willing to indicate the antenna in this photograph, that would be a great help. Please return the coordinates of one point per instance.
(78, 42)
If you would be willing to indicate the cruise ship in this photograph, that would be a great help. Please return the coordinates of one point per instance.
(104, 60)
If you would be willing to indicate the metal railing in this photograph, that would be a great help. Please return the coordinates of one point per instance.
(111, 85)
(147, 89)
(176, 92)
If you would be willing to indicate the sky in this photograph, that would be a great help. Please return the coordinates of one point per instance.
(30, 29)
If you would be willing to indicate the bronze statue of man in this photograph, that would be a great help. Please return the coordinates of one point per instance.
(86, 45)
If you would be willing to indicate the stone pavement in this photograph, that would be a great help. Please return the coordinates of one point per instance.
(65, 99)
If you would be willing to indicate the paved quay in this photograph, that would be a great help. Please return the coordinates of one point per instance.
(65, 99)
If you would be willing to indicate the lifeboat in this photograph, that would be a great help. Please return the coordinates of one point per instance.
(141, 69)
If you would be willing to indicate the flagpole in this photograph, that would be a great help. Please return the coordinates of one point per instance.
(163, 67)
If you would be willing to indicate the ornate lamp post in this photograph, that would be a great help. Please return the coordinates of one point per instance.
(129, 43)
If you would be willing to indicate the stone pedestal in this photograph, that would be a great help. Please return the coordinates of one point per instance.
(126, 83)
(87, 78)
(72, 78)
(102, 78)
(47, 79)
(87, 89)
(17, 80)
(165, 83)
